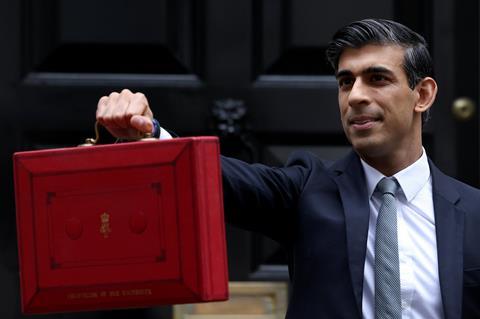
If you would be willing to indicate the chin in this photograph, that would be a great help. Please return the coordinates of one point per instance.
(368, 148)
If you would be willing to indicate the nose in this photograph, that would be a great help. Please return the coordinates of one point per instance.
(358, 94)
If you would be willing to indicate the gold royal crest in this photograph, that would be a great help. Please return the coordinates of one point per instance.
(105, 229)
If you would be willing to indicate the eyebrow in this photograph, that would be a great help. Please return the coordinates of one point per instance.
(369, 70)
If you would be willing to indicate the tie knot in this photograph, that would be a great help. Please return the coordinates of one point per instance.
(387, 185)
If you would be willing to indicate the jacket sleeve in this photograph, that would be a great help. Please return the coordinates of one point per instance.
(262, 198)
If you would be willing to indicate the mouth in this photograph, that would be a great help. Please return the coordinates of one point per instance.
(363, 122)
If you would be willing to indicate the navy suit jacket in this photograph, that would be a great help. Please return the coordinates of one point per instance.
(320, 213)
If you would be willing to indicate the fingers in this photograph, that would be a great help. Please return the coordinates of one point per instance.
(138, 105)
(140, 113)
(117, 105)
(106, 108)
(142, 123)
(101, 109)
(125, 113)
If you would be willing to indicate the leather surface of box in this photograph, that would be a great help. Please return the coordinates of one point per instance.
(117, 226)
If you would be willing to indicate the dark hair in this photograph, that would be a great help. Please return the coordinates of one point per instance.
(417, 61)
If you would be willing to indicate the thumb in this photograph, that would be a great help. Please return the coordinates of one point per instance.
(142, 123)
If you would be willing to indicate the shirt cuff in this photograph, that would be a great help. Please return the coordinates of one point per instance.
(164, 135)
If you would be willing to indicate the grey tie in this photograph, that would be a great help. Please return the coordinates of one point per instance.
(387, 273)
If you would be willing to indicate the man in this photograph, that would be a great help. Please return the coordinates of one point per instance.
(358, 249)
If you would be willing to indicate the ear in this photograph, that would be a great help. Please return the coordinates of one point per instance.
(426, 91)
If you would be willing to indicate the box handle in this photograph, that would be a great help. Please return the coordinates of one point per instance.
(93, 141)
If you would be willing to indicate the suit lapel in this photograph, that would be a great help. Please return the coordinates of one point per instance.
(350, 179)
(449, 229)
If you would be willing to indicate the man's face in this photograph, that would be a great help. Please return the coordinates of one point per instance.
(376, 103)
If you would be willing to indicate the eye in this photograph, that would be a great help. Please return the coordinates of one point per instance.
(345, 82)
(378, 78)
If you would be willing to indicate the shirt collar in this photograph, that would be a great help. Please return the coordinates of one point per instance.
(411, 179)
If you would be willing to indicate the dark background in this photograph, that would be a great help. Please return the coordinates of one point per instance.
(58, 57)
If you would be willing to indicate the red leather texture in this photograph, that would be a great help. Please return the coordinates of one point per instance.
(119, 226)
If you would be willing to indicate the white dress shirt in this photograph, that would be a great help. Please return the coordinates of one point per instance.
(417, 244)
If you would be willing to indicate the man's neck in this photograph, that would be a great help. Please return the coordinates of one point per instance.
(391, 164)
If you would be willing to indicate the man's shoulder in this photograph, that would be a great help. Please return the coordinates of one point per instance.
(461, 187)
(468, 193)
(465, 196)
(307, 159)
(300, 163)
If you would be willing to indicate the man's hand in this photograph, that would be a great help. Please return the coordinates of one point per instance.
(125, 114)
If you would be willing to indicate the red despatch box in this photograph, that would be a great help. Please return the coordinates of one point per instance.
(117, 226)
